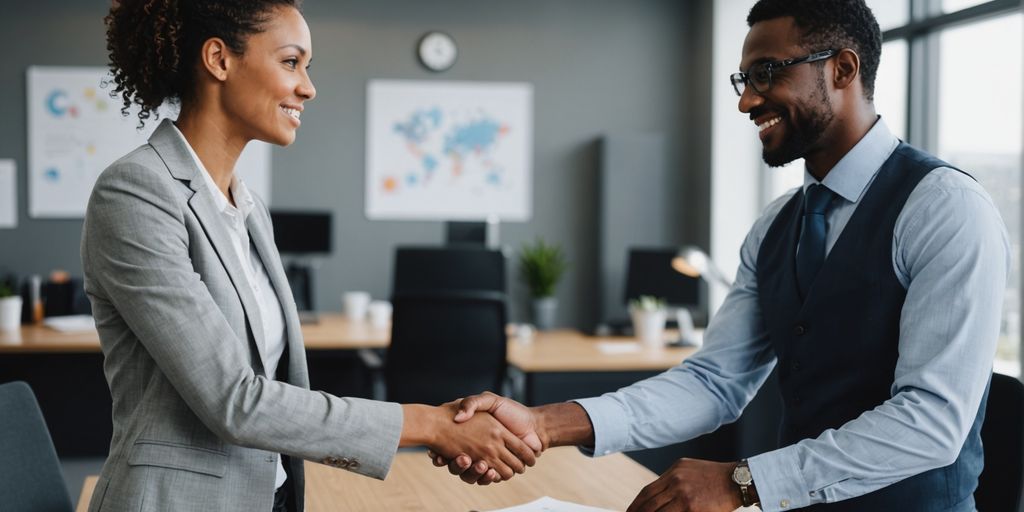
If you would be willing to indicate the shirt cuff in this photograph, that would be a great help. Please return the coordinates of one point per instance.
(611, 431)
(780, 486)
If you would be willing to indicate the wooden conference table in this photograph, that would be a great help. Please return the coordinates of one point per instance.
(609, 482)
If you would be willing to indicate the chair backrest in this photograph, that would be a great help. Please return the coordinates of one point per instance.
(30, 474)
(1002, 435)
(445, 345)
(431, 269)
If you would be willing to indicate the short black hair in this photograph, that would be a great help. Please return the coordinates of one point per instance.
(831, 24)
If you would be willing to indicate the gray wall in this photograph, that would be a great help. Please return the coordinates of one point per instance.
(597, 66)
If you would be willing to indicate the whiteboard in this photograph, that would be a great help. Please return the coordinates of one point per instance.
(75, 130)
(449, 150)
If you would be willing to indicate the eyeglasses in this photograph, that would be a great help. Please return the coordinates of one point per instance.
(759, 76)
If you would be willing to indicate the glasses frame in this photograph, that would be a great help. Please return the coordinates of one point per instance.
(742, 79)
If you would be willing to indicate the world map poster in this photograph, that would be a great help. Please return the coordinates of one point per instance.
(449, 150)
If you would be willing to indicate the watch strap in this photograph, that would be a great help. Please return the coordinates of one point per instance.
(746, 496)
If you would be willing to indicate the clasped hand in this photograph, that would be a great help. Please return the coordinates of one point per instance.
(487, 438)
(518, 419)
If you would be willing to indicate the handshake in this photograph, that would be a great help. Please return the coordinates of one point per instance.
(489, 438)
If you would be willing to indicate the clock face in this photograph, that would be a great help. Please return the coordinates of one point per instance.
(437, 51)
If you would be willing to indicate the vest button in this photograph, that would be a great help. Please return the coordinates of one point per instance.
(799, 330)
(795, 366)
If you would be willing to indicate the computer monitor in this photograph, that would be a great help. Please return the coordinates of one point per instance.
(649, 272)
(302, 232)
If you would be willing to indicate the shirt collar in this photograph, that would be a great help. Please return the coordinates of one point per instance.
(854, 172)
(243, 199)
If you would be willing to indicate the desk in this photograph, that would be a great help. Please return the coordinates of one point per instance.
(414, 484)
(556, 366)
(333, 332)
(53, 362)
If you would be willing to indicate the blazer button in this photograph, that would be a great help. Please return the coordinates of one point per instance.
(345, 462)
(795, 366)
(799, 330)
(354, 464)
(332, 461)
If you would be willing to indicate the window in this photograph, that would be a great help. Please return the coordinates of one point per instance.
(891, 87)
(891, 13)
(950, 82)
(959, 5)
(979, 129)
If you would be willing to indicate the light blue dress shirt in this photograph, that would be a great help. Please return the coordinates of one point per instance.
(950, 251)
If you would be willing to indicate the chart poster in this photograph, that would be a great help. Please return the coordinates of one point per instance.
(448, 150)
(75, 130)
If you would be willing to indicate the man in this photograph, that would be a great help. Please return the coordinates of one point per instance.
(884, 349)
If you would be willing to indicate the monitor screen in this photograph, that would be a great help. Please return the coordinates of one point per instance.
(302, 232)
(650, 272)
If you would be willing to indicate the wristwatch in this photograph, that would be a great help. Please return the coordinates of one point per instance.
(741, 476)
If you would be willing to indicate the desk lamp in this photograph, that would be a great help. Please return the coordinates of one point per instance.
(692, 261)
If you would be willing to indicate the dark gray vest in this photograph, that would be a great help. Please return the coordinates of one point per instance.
(837, 349)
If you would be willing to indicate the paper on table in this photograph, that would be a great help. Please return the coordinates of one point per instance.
(618, 347)
(548, 504)
(71, 323)
(8, 194)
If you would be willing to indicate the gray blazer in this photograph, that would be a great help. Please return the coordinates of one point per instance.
(197, 423)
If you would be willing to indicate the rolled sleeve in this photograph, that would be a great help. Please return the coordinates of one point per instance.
(611, 433)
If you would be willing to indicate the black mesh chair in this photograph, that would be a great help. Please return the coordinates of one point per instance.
(431, 269)
(445, 345)
(1002, 434)
(30, 474)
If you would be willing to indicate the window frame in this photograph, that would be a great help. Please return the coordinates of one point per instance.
(921, 32)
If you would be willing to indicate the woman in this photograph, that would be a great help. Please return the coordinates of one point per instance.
(203, 352)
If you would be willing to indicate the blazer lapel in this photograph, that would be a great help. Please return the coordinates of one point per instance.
(176, 156)
(260, 235)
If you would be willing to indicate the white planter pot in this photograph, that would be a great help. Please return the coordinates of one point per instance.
(10, 313)
(649, 326)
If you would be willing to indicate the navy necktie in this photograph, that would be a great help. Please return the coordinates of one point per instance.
(811, 254)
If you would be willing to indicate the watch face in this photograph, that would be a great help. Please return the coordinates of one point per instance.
(741, 475)
(437, 51)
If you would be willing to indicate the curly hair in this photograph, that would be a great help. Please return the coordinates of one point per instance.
(154, 44)
(832, 24)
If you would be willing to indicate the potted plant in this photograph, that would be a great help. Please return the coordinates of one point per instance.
(10, 306)
(648, 315)
(542, 265)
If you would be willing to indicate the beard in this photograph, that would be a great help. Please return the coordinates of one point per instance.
(803, 132)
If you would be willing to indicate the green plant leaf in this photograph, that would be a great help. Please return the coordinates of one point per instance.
(541, 266)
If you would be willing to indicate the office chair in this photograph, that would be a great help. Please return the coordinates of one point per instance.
(30, 475)
(1002, 435)
(427, 269)
(445, 345)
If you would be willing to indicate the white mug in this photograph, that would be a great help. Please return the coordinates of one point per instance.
(380, 313)
(355, 305)
(10, 313)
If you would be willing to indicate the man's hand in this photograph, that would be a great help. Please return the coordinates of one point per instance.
(517, 418)
(691, 485)
(483, 438)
